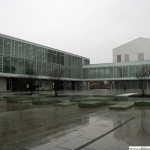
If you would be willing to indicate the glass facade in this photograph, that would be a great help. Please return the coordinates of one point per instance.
(21, 57)
(113, 71)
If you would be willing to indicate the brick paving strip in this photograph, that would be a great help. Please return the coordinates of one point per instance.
(94, 140)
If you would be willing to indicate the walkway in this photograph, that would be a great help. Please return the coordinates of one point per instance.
(101, 130)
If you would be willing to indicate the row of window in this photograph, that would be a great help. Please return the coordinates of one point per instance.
(18, 49)
(140, 57)
(21, 66)
(113, 72)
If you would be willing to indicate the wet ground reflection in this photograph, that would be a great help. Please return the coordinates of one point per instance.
(136, 132)
(23, 124)
(56, 127)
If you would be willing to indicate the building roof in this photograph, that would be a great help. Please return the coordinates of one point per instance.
(137, 40)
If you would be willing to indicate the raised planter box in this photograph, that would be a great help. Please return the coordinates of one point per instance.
(18, 100)
(121, 106)
(142, 103)
(120, 98)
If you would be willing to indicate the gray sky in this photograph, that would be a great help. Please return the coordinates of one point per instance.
(90, 28)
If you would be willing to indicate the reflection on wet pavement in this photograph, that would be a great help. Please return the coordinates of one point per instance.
(56, 128)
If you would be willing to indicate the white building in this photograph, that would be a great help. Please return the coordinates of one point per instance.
(136, 50)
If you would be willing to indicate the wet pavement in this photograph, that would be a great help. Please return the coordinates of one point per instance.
(72, 128)
(100, 129)
(134, 132)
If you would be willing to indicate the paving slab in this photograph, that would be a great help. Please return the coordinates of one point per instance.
(75, 143)
(46, 145)
(99, 123)
(71, 135)
(103, 143)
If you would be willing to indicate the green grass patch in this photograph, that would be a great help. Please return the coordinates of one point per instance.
(24, 102)
(66, 104)
(85, 99)
(142, 103)
(18, 99)
(120, 98)
(91, 104)
(45, 102)
(77, 97)
(78, 100)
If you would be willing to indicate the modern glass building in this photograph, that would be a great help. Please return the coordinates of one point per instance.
(20, 58)
(116, 74)
(128, 60)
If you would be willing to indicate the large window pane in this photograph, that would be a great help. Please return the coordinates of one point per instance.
(13, 65)
(6, 65)
(119, 71)
(1, 45)
(21, 51)
(54, 57)
(44, 72)
(125, 71)
(62, 58)
(58, 58)
(7, 46)
(20, 66)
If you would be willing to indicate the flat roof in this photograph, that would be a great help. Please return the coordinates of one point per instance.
(117, 64)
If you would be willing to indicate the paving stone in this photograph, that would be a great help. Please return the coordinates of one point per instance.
(72, 135)
(56, 148)
(75, 143)
(49, 144)
(103, 143)
(119, 145)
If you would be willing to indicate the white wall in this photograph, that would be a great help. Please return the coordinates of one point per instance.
(139, 45)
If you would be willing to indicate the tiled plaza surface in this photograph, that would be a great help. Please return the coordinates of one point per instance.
(131, 127)
(75, 129)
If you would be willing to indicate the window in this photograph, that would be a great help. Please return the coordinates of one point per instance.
(140, 56)
(7, 46)
(1, 45)
(49, 56)
(54, 57)
(118, 58)
(86, 62)
(126, 57)
(62, 58)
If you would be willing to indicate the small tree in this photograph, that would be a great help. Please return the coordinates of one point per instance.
(142, 77)
(55, 75)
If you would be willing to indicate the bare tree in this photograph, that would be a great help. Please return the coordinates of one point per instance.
(55, 75)
(30, 81)
(26, 82)
(143, 75)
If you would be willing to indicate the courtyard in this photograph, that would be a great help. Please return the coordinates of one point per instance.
(26, 126)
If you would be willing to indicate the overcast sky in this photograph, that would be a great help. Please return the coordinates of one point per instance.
(90, 28)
